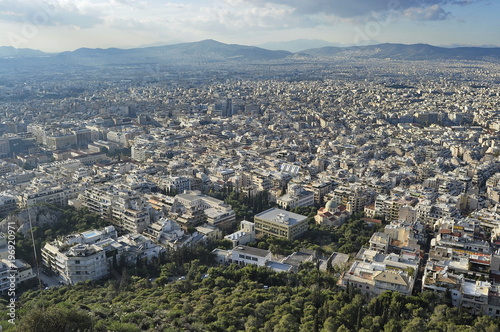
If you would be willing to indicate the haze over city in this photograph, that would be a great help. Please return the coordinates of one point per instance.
(62, 25)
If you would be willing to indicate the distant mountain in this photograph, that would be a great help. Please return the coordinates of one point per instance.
(196, 52)
(406, 52)
(298, 45)
(12, 52)
(214, 55)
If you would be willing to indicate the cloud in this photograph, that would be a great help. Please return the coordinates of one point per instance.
(78, 14)
(354, 9)
(432, 13)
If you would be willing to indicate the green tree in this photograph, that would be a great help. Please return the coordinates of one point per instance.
(287, 323)
(57, 319)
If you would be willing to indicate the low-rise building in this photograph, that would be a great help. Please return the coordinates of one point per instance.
(373, 273)
(280, 223)
(169, 234)
(245, 235)
(211, 232)
(332, 214)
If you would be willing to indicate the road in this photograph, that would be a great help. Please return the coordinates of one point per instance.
(49, 280)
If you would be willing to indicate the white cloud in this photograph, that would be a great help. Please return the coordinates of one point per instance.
(432, 13)
(47, 13)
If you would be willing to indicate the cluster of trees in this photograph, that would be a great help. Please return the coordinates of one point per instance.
(184, 291)
(235, 299)
(246, 205)
(70, 220)
(120, 154)
(348, 238)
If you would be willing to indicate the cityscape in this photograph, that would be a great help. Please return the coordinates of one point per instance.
(212, 186)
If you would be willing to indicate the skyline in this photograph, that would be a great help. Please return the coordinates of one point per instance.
(63, 25)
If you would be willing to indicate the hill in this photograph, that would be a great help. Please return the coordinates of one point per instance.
(12, 52)
(406, 52)
(184, 53)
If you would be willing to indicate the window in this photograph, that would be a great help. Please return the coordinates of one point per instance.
(77, 262)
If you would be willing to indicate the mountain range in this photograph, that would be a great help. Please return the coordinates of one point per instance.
(211, 51)
(12, 52)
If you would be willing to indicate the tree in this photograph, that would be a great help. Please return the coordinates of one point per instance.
(415, 325)
(287, 323)
(56, 319)
(330, 325)
(486, 324)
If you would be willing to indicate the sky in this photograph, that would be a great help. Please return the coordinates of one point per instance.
(65, 25)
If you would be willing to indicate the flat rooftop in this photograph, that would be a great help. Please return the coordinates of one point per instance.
(280, 216)
(92, 233)
(251, 251)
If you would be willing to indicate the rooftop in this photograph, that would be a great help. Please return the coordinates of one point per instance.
(252, 251)
(281, 216)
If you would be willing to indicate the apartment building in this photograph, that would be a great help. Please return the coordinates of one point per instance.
(320, 189)
(8, 204)
(169, 234)
(90, 255)
(353, 197)
(126, 209)
(80, 262)
(389, 206)
(44, 190)
(19, 268)
(374, 273)
(296, 196)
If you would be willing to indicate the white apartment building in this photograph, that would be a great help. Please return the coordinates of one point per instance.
(43, 190)
(168, 233)
(80, 262)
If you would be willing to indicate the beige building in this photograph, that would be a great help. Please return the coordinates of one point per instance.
(373, 273)
(280, 223)
(125, 208)
(332, 214)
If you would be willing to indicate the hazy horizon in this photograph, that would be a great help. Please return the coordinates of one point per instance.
(63, 25)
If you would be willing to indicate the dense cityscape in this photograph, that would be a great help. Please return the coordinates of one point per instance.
(108, 177)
